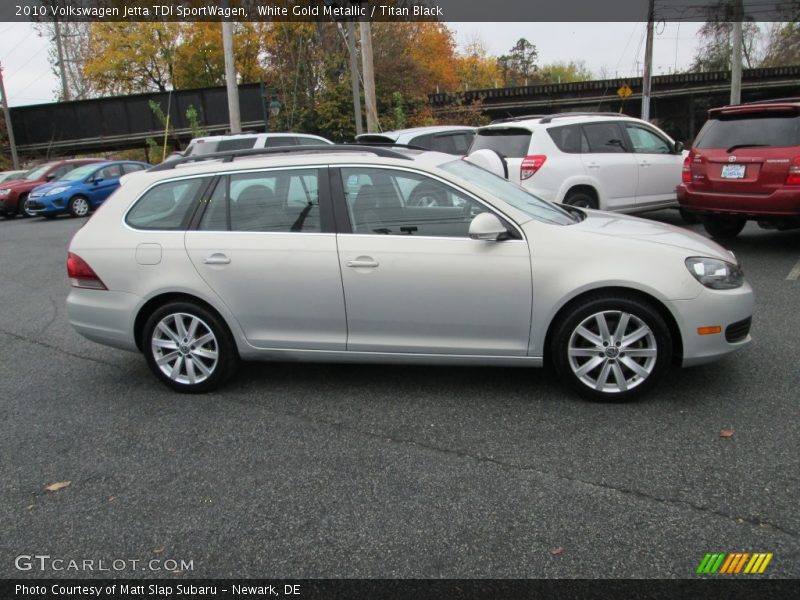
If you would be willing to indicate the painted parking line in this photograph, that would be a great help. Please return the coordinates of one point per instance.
(794, 274)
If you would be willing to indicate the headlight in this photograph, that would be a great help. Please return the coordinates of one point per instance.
(56, 190)
(714, 273)
(4, 192)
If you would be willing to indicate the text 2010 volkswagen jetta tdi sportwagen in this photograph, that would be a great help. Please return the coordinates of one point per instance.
(382, 255)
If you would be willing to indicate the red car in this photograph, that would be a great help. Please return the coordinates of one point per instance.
(13, 194)
(745, 165)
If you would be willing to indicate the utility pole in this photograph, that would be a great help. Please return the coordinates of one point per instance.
(736, 55)
(62, 68)
(230, 77)
(351, 48)
(9, 128)
(648, 64)
(369, 76)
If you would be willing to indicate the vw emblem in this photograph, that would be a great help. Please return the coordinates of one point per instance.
(731, 159)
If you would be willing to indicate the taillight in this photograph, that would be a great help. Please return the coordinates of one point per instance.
(794, 172)
(81, 274)
(531, 164)
(686, 173)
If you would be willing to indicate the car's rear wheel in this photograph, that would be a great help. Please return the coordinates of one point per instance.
(188, 347)
(22, 207)
(580, 199)
(78, 206)
(723, 227)
(611, 348)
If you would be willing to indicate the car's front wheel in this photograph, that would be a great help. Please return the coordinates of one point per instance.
(723, 228)
(188, 347)
(78, 206)
(22, 207)
(611, 348)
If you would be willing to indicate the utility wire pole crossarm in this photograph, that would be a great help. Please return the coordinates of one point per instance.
(9, 128)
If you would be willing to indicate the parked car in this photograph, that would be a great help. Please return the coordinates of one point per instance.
(745, 165)
(81, 190)
(591, 160)
(247, 141)
(452, 139)
(13, 194)
(12, 175)
(255, 258)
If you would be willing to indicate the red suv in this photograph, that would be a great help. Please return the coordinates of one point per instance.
(13, 194)
(745, 165)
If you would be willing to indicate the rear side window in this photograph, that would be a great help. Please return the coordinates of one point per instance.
(510, 142)
(569, 139)
(279, 142)
(167, 206)
(306, 141)
(603, 137)
(450, 143)
(752, 130)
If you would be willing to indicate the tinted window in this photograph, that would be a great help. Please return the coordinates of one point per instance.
(110, 172)
(451, 143)
(390, 202)
(603, 137)
(167, 206)
(645, 141)
(63, 170)
(132, 168)
(511, 143)
(778, 131)
(305, 141)
(569, 139)
(269, 201)
(277, 142)
(243, 143)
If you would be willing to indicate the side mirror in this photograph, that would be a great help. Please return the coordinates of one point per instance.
(50, 177)
(678, 147)
(96, 180)
(487, 226)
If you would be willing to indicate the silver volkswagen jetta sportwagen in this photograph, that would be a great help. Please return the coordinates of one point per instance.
(360, 254)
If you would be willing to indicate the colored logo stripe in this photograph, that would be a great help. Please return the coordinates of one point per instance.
(734, 562)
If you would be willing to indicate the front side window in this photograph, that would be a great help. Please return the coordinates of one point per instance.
(281, 141)
(280, 201)
(243, 143)
(603, 137)
(132, 168)
(394, 202)
(166, 206)
(109, 172)
(645, 141)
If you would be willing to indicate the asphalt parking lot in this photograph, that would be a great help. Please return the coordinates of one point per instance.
(303, 471)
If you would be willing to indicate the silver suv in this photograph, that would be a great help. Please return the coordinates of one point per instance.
(592, 160)
(369, 254)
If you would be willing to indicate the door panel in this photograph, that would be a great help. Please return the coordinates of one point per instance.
(659, 168)
(611, 165)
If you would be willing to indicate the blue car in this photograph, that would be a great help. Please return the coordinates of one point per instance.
(81, 190)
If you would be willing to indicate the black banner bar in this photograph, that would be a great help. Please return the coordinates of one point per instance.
(395, 10)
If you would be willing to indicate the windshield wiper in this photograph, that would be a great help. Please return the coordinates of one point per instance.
(736, 146)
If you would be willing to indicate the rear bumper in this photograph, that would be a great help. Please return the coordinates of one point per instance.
(784, 202)
(104, 317)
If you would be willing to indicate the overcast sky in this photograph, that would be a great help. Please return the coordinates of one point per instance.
(607, 49)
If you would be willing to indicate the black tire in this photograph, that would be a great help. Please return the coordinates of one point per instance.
(723, 228)
(155, 342)
(571, 352)
(21, 207)
(688, 217)
(580, 199)
(79, 206)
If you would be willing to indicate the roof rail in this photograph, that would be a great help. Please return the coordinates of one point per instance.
(518, 118)
(549, 118)
(773, 101)
(230, 155)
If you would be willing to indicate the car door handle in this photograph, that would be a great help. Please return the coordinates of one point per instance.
(216, 259)
(362, 262)
(593, 165)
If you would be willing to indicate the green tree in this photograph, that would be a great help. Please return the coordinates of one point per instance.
(783, 45)
(519, 65)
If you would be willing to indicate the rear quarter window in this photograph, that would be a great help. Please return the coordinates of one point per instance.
(769, 130)
(510, 142)
(166, 206)
(569, 139)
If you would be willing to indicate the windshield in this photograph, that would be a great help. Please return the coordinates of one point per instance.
(37, 173)
(80, 173)
(512, 194)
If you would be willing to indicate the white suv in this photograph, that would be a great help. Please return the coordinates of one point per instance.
(247, 141)
(590, 160)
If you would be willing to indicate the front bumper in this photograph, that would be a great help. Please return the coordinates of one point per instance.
(731, 310)
(783, 202)
(47, 205)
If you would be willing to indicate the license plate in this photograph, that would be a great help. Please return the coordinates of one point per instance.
(733, 171)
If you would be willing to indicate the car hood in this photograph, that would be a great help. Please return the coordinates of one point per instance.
(625, 226)
(44, 188)
(20, 184)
